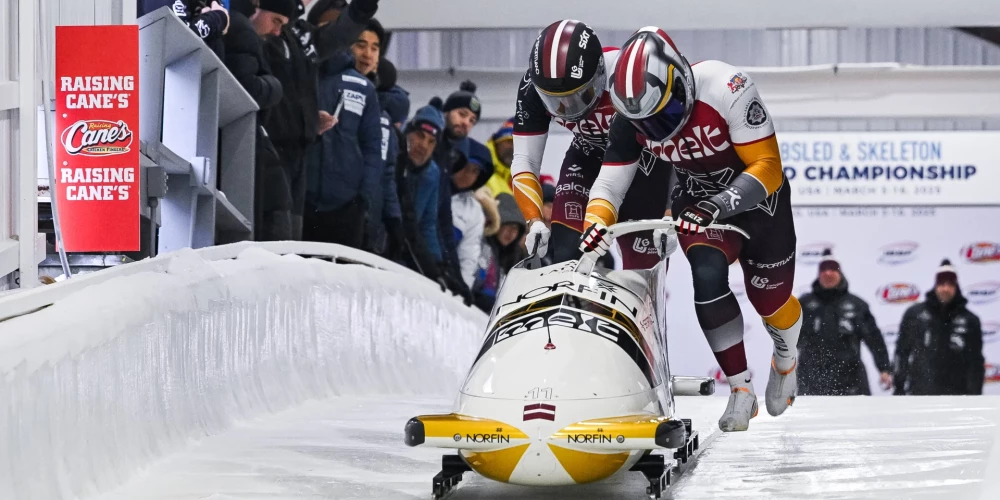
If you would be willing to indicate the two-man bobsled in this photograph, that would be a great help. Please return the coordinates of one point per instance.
(572, 382)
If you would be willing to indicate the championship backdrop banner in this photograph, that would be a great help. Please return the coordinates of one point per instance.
(97, 127)
(889, 257)
(892, 168)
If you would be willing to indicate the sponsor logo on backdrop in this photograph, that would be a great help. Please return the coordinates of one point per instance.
(898, 293)
(97, 138)
(991, 332)
(898, 253)
(992, 373)
(983, 293)
(813, 252)
(982, 251)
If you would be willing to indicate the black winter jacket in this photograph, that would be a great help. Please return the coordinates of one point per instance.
(940, 349)
(294, 58)
(834, 323)
(245, 59)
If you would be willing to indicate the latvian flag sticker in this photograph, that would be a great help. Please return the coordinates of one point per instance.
(539, 411)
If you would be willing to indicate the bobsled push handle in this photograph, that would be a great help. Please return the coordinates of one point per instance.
(623, 228)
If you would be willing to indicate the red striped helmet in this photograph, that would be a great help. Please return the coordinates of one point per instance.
(567, 69)
(653, 85)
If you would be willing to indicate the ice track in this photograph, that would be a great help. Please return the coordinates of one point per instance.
(823, 448)
(233, 373)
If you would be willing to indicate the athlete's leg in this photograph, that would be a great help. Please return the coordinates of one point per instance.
(719, 316)
(576, 176)
(646, 198)
(768, 261)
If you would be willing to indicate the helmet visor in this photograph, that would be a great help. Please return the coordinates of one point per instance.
(666, 122)
(576, 103)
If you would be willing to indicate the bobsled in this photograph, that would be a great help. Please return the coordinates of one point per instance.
(572, 383)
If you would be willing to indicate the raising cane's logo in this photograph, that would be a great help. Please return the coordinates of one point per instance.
(898, 293)
(97, 138)
(982, 251)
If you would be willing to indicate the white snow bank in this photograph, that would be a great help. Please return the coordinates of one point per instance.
(103, 381)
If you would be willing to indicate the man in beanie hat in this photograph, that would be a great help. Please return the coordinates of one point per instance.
(501, 146)
(461, 112)
(940, 345)
(417, 181)
(273, 15)
(834, 323)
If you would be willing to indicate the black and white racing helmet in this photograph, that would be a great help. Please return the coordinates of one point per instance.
(653, 85)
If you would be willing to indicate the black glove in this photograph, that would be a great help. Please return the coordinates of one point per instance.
(695, 218)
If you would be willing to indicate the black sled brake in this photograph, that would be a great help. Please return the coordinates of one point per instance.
(655, 469)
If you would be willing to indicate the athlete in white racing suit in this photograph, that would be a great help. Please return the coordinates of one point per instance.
(709, 121)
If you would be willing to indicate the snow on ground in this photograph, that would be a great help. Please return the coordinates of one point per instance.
(823, 448)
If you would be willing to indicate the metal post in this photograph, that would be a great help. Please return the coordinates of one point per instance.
(49, 132)
(26, 189)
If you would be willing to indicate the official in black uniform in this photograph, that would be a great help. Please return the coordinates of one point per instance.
(834, 323)
(940, 346)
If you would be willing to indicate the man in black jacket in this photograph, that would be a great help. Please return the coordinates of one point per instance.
(940, 345)
(294, 56)
(834, 323)
(245, 59)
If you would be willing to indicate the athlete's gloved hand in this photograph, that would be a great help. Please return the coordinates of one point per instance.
(665, 241)
(695, 218)
(537, 239)
(594, 244)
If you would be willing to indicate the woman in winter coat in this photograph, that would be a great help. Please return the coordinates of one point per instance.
(500, 252)
(467, 213)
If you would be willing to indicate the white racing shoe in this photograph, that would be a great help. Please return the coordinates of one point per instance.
(781, 389)
(742, 407)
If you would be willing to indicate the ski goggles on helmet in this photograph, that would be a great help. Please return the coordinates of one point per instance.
(576, 103)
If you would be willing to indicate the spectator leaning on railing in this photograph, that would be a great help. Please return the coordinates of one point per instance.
(208, 20)
(294, 55)
(940, 346)
(834, 323)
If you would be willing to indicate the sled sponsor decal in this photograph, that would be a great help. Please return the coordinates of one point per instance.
(97, 174)
(983, 292)
(898, 253)
(602, 290)
(898, 293)
(577, 314)
(981, 252)
(539, 411)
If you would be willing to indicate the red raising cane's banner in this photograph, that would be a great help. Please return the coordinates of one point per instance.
(97, 137)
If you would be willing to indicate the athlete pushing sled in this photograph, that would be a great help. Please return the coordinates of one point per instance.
(709, 121)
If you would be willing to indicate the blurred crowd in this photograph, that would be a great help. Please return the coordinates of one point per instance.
(341, 159)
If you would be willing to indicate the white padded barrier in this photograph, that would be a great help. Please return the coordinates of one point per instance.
(127, 365)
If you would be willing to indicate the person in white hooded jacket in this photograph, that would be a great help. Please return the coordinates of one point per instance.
(467, 211)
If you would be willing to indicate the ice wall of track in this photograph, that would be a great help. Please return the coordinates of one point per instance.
(101, 383)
